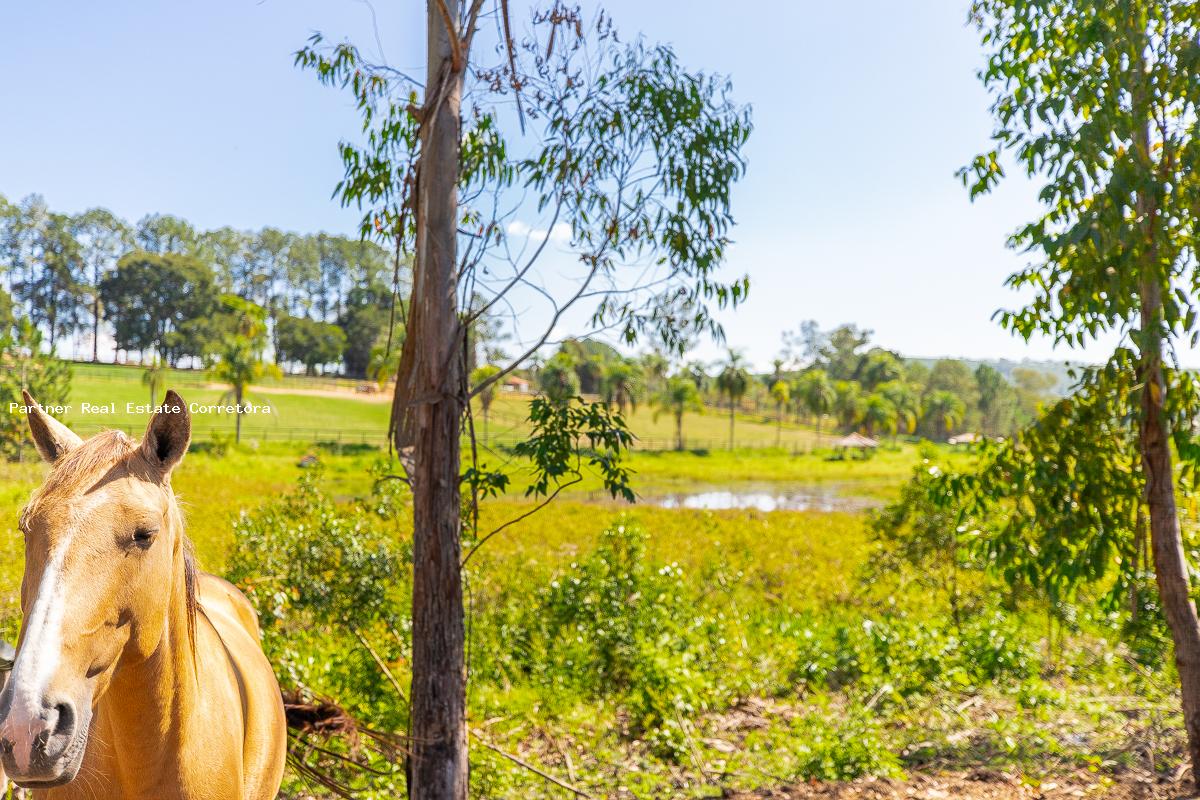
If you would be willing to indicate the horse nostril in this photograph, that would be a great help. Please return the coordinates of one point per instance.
(6, 747)
(66, 719)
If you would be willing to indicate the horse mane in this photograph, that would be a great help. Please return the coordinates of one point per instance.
(85, 466)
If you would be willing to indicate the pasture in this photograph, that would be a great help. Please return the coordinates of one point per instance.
(641, 651)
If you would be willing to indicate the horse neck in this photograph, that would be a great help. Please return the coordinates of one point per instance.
(148, 700)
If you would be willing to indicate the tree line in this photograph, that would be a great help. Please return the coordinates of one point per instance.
(163, 289)
(834, 380)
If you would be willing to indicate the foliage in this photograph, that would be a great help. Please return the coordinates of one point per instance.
(27, 366)
(566, 435)
(558, 380)
(151, 299)
(678, 396)
(308, 341)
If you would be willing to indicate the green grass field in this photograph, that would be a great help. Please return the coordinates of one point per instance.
(743, 650)
(305, 409)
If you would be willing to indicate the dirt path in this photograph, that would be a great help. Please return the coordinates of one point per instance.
(1130, 784)
(344, 394)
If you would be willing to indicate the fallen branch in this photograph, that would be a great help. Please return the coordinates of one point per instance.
(525, 764)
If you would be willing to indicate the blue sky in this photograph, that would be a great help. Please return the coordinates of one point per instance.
(850, 211)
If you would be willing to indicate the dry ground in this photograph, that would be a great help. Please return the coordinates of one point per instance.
(1129, 784)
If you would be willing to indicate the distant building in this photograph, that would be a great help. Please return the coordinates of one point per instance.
(516, 385)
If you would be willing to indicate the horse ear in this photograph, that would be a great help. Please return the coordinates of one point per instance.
(52, 438)
(168, 434)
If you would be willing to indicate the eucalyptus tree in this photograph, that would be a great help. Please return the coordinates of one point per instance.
(52, 288)
(103, 239)
(611, 146)
(1098, 102)
(164, 233)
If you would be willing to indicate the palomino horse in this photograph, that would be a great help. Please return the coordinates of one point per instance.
(137, 677)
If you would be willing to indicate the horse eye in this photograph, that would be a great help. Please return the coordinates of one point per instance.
(144, 536)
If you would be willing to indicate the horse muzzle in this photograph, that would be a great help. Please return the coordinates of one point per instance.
(42, 746)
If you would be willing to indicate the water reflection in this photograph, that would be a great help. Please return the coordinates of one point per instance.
(819, 497)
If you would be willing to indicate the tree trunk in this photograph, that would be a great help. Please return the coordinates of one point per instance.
(1166, 540)
(96, 330)
(237, 421)
(426, 419)
(730, 423)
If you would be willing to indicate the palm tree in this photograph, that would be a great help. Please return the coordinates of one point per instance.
(622, 384)
(732, 382)
(945, 410)
(879, 414)
(154, 376)
(677, 397)
(904, 397)
(480, 376)
(781, 393)
(654, 367)
(817, 394)
(239, 364)
(848, 404)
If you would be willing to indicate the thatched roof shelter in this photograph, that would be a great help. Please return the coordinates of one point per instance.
(855, 441)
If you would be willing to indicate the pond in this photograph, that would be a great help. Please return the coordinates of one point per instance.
(764, 497)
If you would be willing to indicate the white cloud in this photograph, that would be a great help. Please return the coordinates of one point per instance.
(559, 234)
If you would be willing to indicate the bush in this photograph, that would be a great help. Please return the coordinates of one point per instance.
(615, 626)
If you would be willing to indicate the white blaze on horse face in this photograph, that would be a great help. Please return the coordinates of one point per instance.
(37, 662)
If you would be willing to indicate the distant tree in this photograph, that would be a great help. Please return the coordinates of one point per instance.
(237, 361)
(654, 366)
(848, 404)
(162, 233)
(8, 319)
(481, 376)
(308, 342)
(840, 352)
(151, 299)
(817, 394)
(103, 239)
(591, 359)
(621, 381)
(383, 364)
(678, 396)
(364, 319)
(905, 398)
(52, 288)
(944, 411)
(781, 394)
(997, 402)
(879, 415)
(732, 382)
(879, 366)
(559, 380)
(153, 377)
(805, 346)
(27, 366)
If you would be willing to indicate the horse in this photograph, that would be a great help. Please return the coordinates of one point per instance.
(137, 676)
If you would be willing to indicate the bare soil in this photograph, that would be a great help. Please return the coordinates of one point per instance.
(1129, 784)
